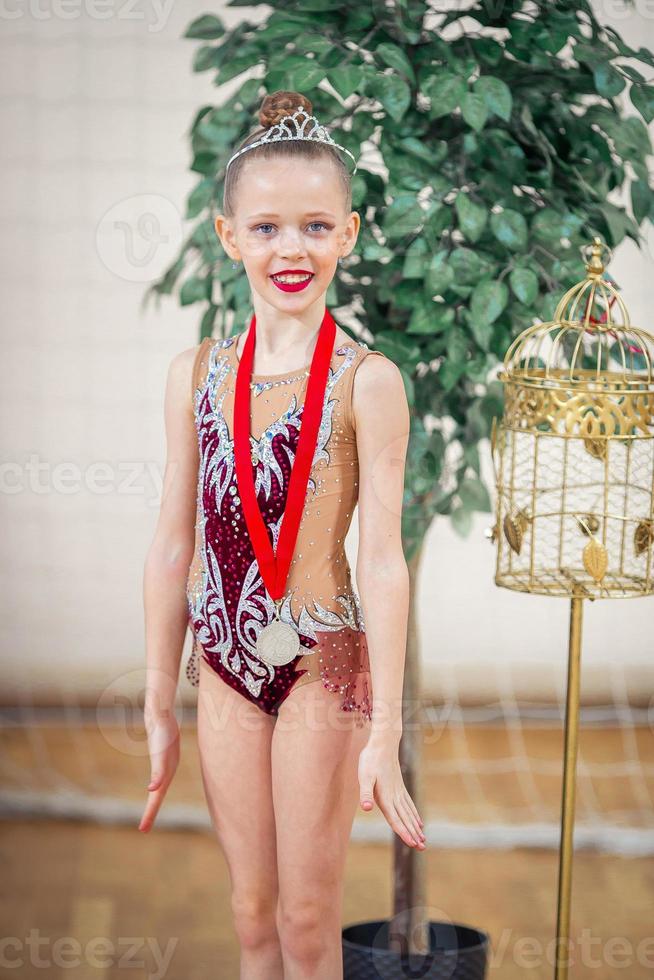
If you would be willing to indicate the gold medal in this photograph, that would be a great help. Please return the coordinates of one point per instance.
(277, 643)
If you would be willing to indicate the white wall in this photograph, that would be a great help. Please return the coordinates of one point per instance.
(94, 119)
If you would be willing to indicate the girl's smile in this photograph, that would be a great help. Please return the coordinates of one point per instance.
(291, 281)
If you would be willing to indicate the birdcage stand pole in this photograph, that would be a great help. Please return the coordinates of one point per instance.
(566, 851)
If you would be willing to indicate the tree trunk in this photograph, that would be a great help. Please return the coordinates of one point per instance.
(408, 932)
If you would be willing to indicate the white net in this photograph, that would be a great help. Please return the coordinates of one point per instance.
(491, 774)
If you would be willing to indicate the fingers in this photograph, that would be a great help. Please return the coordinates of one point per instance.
(412, 805)
(163, 742)
(393, 800)
(152, 808)
(398, 824)
(406, 826)
(157, 788)
(366, 794)
(410, 821)
(155, 781)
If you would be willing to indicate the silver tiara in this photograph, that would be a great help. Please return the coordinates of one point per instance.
(282, 131)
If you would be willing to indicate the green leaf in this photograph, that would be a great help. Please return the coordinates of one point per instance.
(409, 386)
(310, 41)
(359, 19)
(207, 27)
(524, 283)
(442, 317)
(487, 49)
(208, 320)
(395, 57)
(550, 225)
(488, 299)
(393, 93)
(440, 219)
(424, 151)
(204, 163)
(457, 344)
(642, 199)
(466, 265)
(194, 290)
(421, 319)
(496, 94)
(281, 24)
(617, 220)
(471, 456)
(461, 521)
(307, 76)
(510, 228)
(492, 404)
(608, 81)
(472, 217)
(415, 259)
(403, 216)
(474, 110)
(200, 196)
(445, 92)
(359, 190)
(474, 495)
(374, 252)
(482, 331)
(644, 54)
(632, 137)
(478, 366)
(331, 296)
(236, 66)
(346, 80)
(315, 6)
(430, 318)
(205, 58)
(439, 273)
(398, 347)
(642, 98)
(449, 373)
(633, 73)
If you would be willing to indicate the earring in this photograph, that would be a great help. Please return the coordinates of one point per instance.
(234, 265)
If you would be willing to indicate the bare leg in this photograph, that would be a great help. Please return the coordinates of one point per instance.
(234, 738)
(315, 756)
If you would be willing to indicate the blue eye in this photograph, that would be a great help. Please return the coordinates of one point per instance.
(267, 224)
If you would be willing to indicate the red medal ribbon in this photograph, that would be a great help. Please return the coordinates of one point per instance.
(274, 568)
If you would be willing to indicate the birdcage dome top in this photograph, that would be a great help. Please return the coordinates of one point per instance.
(589, 344)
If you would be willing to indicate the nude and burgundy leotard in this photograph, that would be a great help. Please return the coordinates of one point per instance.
(227, 600)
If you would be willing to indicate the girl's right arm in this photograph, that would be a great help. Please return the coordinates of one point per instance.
(164, 581)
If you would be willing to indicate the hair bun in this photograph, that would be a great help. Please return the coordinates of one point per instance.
(279, 104)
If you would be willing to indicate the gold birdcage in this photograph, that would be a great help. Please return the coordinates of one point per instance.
(574, 451)
(574, 469)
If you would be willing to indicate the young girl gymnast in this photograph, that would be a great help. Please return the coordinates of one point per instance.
(273, 436)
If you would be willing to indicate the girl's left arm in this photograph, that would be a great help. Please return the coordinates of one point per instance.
(381, 421)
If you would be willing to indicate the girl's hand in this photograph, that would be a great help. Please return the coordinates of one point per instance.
(380, 778)
(163, 745)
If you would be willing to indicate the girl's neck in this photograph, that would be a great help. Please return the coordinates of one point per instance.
(283, 345)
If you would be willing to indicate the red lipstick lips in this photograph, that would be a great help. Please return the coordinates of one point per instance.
(292, 287)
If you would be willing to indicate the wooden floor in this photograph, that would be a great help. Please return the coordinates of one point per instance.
(123, 904)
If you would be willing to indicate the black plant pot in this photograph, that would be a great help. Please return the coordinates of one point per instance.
(457, 952)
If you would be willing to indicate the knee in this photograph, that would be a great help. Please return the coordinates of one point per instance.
(306, 931)
(254, 920)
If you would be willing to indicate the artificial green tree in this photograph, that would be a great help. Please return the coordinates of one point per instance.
(489, 141)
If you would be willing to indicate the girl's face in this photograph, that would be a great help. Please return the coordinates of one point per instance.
(290, 215)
